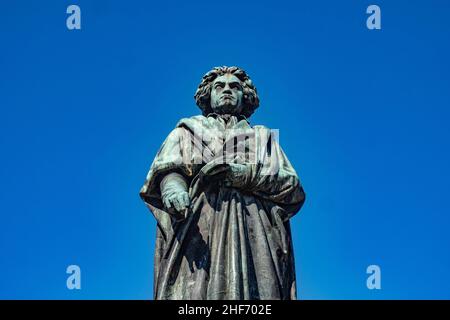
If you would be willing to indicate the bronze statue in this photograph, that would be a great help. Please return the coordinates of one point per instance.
(222, 193)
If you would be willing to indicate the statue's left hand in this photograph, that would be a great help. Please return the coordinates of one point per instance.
(230, 174)
(238, 175)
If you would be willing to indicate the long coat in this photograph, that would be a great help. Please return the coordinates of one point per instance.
(234, 243)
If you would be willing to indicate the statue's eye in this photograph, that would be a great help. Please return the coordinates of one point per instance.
(218, 86)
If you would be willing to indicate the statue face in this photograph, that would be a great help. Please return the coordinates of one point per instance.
(226, 95)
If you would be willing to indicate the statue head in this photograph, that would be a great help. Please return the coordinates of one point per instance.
(227, 90)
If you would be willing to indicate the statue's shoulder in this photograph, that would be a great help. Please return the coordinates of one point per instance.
(260, 127)
(192, 122)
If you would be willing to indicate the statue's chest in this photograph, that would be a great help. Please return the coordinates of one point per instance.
(230, 141)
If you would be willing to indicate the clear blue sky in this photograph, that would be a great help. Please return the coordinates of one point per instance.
(363, 116)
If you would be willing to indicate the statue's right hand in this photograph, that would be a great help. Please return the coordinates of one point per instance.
(175, 196)
(177, 200)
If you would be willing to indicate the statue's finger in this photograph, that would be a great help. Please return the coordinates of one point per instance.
(187, 201)
(218, 170)
(182, 201)
(177, 204)
(167, 203)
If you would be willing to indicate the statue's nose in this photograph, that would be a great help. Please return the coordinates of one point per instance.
(227, 89)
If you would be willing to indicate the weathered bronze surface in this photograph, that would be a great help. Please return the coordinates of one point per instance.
(222, 193)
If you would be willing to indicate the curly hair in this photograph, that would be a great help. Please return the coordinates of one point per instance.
(250, 96)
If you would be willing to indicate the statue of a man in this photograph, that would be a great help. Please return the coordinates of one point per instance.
(223, 212)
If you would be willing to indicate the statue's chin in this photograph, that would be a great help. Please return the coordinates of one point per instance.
(225, 109)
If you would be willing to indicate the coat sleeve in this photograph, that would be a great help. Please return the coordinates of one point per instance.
(172, 156)
(273, 178)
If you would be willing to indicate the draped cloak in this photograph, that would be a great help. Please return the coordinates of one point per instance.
(234, 243)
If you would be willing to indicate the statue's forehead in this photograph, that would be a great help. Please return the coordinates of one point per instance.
(227, 77)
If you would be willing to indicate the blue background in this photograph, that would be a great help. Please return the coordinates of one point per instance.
(363, 117)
